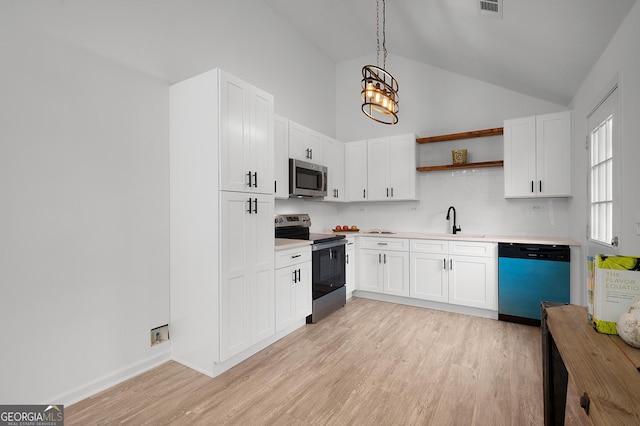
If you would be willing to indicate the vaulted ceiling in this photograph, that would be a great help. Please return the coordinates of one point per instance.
(542, 48)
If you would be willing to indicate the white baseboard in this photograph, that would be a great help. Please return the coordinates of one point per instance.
(113, 379)
(476, 312)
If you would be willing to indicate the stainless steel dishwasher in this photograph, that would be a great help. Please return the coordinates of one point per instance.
(529, 274)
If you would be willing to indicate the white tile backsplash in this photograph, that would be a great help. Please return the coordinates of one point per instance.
(477, 195)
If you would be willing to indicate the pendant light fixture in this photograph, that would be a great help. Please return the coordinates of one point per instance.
(379, 89)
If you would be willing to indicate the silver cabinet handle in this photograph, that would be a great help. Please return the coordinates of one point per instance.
(255, 207)
(249, 174)
(296, 256)
(385, 258)
(249, 211)
(392, 192)
(451, 264)
(346, 259)
(444, 264)
(379, 258)
(382, 244)
(255, 179)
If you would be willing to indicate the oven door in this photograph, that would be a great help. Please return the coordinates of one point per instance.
(328, 267)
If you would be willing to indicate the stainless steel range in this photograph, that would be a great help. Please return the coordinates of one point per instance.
(328, 263)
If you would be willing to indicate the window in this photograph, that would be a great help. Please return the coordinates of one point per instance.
(602, 124)
(602, 182)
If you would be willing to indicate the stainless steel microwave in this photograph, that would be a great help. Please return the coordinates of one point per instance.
(307, 179)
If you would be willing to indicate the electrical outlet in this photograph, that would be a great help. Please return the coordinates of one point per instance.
(159, 334)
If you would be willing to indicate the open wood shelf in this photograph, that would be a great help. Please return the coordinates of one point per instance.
(498, 163)
(464, 135)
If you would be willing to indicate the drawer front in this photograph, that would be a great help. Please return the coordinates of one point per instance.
(430, 246)
(293, 256)
(473, 248)
(395, 244)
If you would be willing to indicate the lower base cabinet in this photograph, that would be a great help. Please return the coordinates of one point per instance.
(383, 266)
(293, 286)
(458, 272)
(246, 271)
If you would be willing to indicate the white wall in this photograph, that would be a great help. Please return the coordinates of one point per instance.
(84, 247)
(620, 60)
(434, 101)
(84, 184)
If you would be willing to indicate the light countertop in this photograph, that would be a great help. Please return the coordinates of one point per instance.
(284, 243)
(467, 237)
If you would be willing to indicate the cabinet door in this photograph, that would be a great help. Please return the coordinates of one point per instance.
(356, 171)
(302, 291)
(350, 267)
(378, 169)
(285, 303)
(235, 274)
(260, 245)
(371, 274)
(305, 144)
(428, 277)
(553, 154)
(396, 273)
(473, 282)
(261, 152)
(281, 156)
(520, 157)
(402, 167)
(235, 133)
(334, 161)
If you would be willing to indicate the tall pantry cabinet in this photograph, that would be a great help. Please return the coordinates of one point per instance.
(221, 221)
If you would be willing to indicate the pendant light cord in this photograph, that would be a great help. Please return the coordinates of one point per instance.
(384, 36)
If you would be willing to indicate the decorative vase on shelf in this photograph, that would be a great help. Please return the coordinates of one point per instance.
(459, 156)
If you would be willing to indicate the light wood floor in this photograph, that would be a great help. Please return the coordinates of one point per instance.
(370, 363)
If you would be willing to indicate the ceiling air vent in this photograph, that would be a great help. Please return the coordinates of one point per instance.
(491, 8)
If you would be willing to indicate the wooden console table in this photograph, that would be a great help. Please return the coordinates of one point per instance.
(604, 369)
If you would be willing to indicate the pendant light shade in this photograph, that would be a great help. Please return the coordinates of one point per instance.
(379, 95)
(379, 91)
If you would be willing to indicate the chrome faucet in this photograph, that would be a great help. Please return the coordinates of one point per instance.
(456, 229)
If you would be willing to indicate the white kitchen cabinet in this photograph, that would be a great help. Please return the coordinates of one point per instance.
(428, 276)
(281, 156)
(222, 272)
(293, 286)
(384, 266)
(246, 137)
(457, 272)
(356, 171)
(537, 156)
(334, 161)
(350, 265)
(305, 144)
(392, 168)
(247, 293)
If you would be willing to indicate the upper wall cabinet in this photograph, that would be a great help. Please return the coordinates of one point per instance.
(391, 171)
(382, 169)
(355, 170)
(305, 144)
(246, 137)
(334, 161)
(281, 160)
(537, 156)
